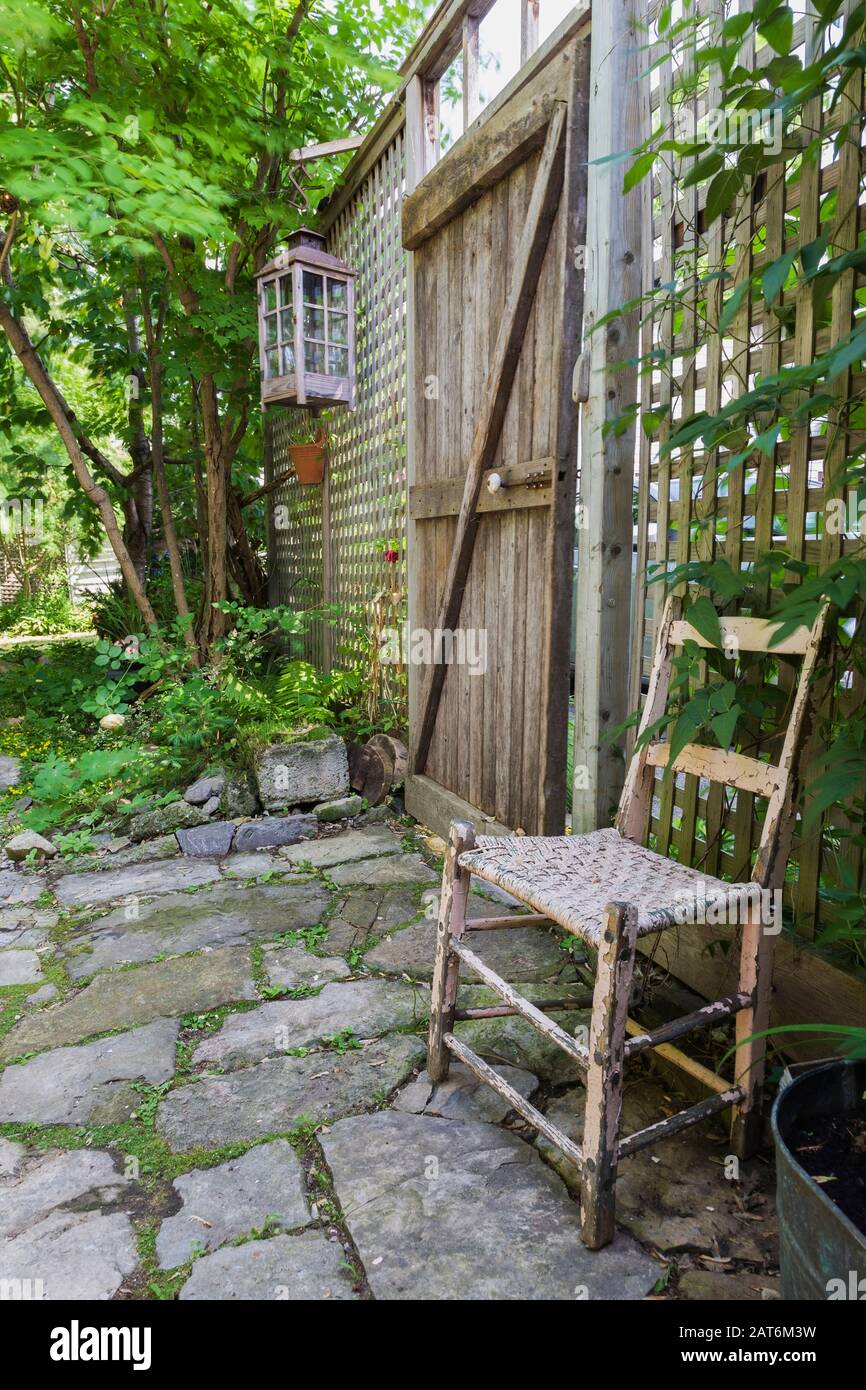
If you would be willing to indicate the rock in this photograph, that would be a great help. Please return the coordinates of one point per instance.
(79, 1256)
(297, 1268)
(17, 889)
(211, 807)
(515, 1040)
(21, 845)
(11, 1157)
(463, 1096)
(289, 774)
(224, 916)
(177, 815)
(144, 880)
(265, 1186)
(367, 1007)
(399, 868)
(205, 789)
(272, 831)
(238, 798)
(340, 849)
(252, 865)
(43, 995)
(376, 815)
(169, 988)
(674, 1195)
(110, 722)
(70, 1084)
(294, 967)
(529, 953)
(432, 1208)
(121, 854)
(275, 1095)
(367, 914)
(739, 1284)
(208, 841)
(341, 809)
(19, 967)
(10, 772)
(47, 1180)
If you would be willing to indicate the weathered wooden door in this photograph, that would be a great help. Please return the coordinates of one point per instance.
(496, 229)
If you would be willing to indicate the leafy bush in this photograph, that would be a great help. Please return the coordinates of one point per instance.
(46, 613)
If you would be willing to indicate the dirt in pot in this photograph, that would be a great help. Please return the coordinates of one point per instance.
(832, 1149)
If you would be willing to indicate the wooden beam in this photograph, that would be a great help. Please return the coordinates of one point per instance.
(528, 28)
(719, 765)
(436, 807)
(307, 153)
(518, 919)
(503, 365)
(422, 127)
(523, 485)
(471, 90)
(618, 120)
(747, 635)
(664, 1129)
(705, 1017)
(482, 159)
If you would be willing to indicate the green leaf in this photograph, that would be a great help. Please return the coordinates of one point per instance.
(723, 725)
(721, 193)
(704, 618)
(778, 29)
(641, 167)
(775, 275)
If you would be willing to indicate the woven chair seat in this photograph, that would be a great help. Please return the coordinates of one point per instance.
(572, 878)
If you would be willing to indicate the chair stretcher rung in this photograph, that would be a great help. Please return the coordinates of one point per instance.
(526, 919)
(663, 1129)
(530, 1012)
(517, 1102)
(689, 1023)
(582, 1001)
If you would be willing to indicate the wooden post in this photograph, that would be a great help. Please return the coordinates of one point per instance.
(471, 95)
(607, 1031)
(452, 923)
(756, 980)
(528, 29)
(618, 120)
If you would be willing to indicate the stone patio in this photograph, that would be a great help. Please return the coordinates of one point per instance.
(212, 1087)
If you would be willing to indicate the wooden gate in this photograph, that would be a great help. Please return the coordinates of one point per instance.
(497, 231)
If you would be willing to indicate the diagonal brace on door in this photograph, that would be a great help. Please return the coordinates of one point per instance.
(506, 355)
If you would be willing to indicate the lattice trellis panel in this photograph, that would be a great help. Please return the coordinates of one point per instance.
(327, 550)
(689, 505)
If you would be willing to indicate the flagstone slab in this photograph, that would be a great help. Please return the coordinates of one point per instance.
(108, 860)
(300, 1268)
(365, 915)
(392, 868)
(144, 880)
(185, 922)
(251, 865)
(43, 1182)
(467, 1211)
(294, 967)
(527, 953)
(19, 967)
(18, 888)
(367, 1007)
(675, 1195)
(10, 772)
(77, 1085)
(463, 1096)
(264, 1186)
(124, 998)
(514, 1040)
(74, 1256)
(274, 1096)
(345, 848)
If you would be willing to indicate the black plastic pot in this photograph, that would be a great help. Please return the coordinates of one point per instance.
(817, 1242)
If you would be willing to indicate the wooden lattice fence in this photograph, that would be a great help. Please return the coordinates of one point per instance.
(689, 506)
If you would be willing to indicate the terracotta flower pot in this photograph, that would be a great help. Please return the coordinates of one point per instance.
(308, 460)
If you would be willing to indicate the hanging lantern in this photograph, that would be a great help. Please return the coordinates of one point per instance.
(307, 326)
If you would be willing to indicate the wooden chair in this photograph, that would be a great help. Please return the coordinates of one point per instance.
(608, 890)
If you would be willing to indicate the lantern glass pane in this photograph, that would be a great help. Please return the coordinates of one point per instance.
(285, 290)
(338, 327)
(288, 356)
(272, 363)
(270, 296)
(314, 288)
(271, 328)
(314, 323)
(287, 326)
(338, 361)
(338, 294)
(314, 356)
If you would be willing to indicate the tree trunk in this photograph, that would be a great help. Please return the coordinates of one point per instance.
(215, 624)
(36, 371)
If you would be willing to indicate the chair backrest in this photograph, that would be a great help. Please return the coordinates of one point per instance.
(778, 782)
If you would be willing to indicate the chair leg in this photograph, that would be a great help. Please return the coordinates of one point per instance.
(756, 979)
(604, 1078)
(452, 919)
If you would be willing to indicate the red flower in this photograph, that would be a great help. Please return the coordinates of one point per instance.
(392, 556)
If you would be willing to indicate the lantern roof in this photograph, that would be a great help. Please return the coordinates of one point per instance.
(308, 247)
